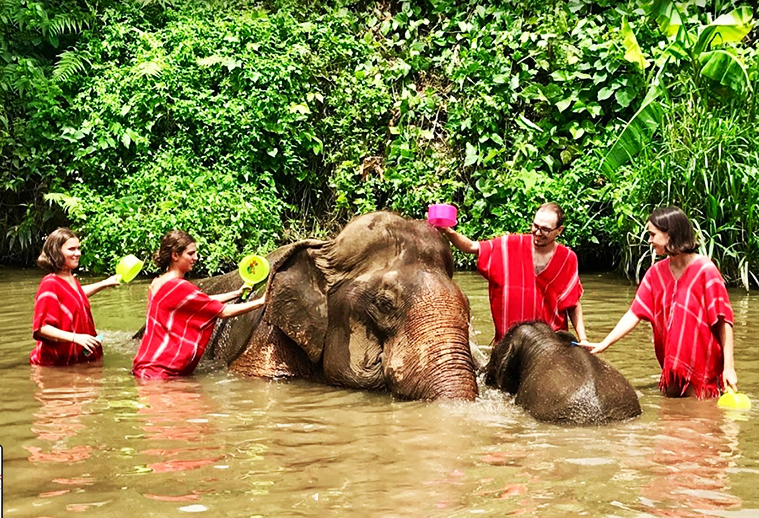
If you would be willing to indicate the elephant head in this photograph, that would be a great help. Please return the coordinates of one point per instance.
(375, 308)
(556, 381)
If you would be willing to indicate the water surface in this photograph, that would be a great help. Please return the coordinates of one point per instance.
(91, 441)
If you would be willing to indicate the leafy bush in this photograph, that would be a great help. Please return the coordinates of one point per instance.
(316, 112)
(227, 219)
(697, 138)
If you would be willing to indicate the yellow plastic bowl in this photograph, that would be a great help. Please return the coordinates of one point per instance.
(734, 400)
(128, 268)
(253, 269)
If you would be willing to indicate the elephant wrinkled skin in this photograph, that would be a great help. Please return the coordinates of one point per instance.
(558, 382)
(376, 308)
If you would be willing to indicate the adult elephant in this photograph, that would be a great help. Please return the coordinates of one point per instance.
(376, 308)
(558, 382)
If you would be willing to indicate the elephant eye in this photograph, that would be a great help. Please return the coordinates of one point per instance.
(385, 301)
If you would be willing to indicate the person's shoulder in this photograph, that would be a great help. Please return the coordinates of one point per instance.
(516, 237)
(564, 250)
(656, 270)
(162, 282)
(50, 280)
(706, 264)
(49, 284)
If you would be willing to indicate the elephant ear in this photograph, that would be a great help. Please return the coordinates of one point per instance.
(296, 297)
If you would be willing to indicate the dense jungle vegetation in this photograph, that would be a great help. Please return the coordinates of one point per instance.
(253, 124)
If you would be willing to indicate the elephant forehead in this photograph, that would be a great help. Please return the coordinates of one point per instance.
(390, 276)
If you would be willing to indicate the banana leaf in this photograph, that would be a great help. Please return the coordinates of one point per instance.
(636, 133)
(667, 16)
(633, 53)
(728, 28)
(725, 68)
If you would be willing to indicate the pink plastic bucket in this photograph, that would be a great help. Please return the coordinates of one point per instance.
(442, 215)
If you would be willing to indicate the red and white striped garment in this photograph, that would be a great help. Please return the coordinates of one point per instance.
(682, 313)
(517, 294)
(64, 307)
(179, 324)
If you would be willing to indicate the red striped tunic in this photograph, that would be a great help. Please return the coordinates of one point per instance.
(179, 324)
(64, 307)
(682, 313)
(517, 294)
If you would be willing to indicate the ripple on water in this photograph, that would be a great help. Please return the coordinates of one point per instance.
(236, 446)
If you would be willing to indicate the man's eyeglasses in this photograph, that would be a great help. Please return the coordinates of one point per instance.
(537, 229)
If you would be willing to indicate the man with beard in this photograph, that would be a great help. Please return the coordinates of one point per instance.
(530, 276)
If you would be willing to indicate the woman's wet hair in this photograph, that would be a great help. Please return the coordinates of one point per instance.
(679, 229)
(175, 241)
(556, 208)
(51, 258)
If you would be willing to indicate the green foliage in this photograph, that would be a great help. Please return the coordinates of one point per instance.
(709, 167)
(497, 101)
(694, 141)
(251, 124)
(32, 109)
(692, 50)
(226, 218)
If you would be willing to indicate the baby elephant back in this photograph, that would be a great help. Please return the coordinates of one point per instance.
(558, 382)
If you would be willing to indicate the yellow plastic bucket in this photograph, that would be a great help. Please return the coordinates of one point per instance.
(253, 269)
(734, 400)
(128, 268)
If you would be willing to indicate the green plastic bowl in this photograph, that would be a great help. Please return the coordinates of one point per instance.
(253, 269)
(128, 268)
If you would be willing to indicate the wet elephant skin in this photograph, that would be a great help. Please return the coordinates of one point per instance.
(375, 308)
(558, 382)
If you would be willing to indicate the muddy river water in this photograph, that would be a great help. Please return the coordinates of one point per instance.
(89, 441)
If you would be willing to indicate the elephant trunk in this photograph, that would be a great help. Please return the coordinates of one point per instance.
(431, 358)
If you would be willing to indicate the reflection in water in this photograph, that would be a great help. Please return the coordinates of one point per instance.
(174, 416)
(65, 395)
(692, 452)
(90, 438)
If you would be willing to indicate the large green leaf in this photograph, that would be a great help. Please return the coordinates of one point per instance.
(633, 53)
(728, 28)
(667, 16)
(725, 68)
(636, 133)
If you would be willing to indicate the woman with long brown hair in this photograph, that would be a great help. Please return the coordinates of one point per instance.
(180, 317)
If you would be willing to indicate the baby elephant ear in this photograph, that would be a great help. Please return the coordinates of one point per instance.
(296, 298)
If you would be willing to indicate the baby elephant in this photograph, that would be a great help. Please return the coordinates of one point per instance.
(558, 382)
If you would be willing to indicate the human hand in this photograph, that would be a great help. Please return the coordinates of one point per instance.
(244, 292)
(730, 379)
(593, 347)
(88, 342)
(110, 282)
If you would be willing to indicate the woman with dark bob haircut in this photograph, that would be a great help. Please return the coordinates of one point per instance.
(685, 299)
(180, 317)
(63, 325)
